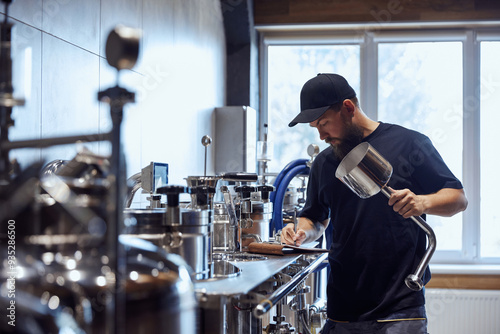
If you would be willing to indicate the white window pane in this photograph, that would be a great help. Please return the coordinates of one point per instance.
(490, 118)
(420, 87)
(289, 67)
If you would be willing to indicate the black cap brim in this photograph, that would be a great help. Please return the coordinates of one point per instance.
(308, 116)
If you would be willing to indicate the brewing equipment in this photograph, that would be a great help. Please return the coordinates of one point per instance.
(70, 291)
(228, 221)
(72, 271)
(226, 225)
(150, 178)
(256, 213)
(265, 150)
(366, 172)
(65, 266)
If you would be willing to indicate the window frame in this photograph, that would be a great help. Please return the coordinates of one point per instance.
(369, 37)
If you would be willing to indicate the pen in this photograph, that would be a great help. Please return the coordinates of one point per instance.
(295, 224)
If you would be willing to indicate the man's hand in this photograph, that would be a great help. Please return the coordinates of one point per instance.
(290, 237)
(307, 231)
(406, 203)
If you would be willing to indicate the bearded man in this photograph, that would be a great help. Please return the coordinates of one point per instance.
(374, 245)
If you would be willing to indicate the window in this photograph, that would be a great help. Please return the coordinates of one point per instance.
(490, 116)
(411, 77)
(443, 82)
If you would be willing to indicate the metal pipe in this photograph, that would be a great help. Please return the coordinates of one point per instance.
(7, 101)
(235, 244)
(206, 141)
(117, 98)
(134, 183)
(267, 304)
(414, 281)
(48, 142)
(319, 305)
(115, 251)
(231, 210)
(303, 321)
(252, 235)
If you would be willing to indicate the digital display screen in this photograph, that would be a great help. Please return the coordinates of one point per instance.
(160, 175)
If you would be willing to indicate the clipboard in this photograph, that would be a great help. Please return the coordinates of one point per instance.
(281, 249)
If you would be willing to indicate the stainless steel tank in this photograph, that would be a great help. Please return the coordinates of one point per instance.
(187, 233)
(64, 279)
(195, 247)
(255, 224)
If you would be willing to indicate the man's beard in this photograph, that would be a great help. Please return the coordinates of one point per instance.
(352, 137)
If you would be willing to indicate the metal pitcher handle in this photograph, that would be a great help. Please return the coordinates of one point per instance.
(414, 281)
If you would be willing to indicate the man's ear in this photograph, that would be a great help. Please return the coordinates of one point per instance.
(349, 106)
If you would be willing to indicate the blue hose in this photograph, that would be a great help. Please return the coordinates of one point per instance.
(282, 174)
(277, 220)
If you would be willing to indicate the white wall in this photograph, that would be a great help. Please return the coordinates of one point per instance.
(59, 67)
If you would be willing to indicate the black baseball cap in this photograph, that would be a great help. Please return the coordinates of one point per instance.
(319, 93)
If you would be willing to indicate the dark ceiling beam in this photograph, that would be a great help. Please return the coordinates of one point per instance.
(367, 11)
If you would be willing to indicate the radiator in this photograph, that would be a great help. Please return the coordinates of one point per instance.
(452, 311)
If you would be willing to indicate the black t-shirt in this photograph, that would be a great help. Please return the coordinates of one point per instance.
(374, 248)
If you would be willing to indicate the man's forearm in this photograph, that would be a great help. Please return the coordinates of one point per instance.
(313, 229)
(446, 202)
